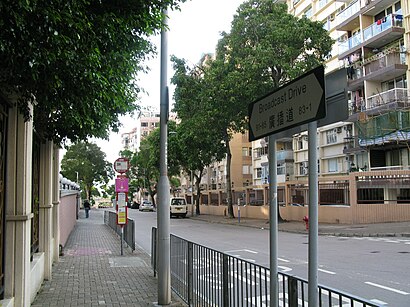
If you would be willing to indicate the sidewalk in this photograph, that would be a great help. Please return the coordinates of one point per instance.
(92, 271)
(398, 229)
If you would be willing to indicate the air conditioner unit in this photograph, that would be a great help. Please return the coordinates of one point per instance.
(332, 17)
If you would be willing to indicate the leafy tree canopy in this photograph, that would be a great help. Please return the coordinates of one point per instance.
(265, 48)
(76, 60)
(89, 162)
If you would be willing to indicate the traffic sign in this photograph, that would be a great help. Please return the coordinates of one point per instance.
(121, 165)
(298, 102)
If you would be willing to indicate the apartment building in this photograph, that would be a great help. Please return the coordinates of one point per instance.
(147, 121)
(213, 183)
(363, 162)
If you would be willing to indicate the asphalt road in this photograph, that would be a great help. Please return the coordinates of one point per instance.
(373, 268)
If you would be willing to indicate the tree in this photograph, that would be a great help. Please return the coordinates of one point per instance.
(265, 48)
(89, 162)
(199, 147)
(76, 61)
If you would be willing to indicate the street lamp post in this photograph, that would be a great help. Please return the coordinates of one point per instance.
(163, 221)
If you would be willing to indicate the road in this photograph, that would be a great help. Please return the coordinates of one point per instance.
(373, 268)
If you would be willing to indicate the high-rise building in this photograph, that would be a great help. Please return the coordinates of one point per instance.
(146, 122)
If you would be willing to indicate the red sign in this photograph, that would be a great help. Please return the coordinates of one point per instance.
(121, 165)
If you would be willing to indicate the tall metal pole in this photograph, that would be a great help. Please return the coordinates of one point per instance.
(313, 215)
(192, 193)
(273, 222)
(163, 218)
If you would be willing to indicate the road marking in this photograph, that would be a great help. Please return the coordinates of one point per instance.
(386, 288)
(284, 268)
(378, 302)
(328, 272)
(241, 250)
(284, 260)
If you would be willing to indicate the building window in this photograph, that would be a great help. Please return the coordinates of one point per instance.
(245, 169)
(144, 124)
(308, 12)
(258, 172)
(397, 8)
(331, 136)
(322, 3)
(281, 169)
(246, 152)
(258, 152)
(303, 170)
(332, 165)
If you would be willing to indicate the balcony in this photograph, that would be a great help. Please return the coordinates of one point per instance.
(397, 98)
(350, 44)
(383, 31)
(352, 146)
(392, 99)
(284, 155)
(380, 33)
(348, 19)
(385, 65)
(356, 106)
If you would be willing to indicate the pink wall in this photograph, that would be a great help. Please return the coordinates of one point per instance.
(67, 214)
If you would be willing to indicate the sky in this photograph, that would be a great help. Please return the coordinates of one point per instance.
(193, 31)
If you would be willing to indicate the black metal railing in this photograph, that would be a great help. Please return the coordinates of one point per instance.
(202, 276)
(110, 219)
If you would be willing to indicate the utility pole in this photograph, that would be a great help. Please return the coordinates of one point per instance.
(163, 218)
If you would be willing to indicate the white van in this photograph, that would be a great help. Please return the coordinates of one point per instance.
(178, 206)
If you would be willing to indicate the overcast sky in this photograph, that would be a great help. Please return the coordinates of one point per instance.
(194, 30)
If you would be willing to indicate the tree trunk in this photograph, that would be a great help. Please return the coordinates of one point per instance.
(198, 192)
(197, 198)
(228, 179)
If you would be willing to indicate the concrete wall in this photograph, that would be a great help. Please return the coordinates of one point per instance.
(67, 214)
(359, 214)
(350, 213)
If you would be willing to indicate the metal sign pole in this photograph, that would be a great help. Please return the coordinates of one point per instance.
(122, 240)
(273, 222)
(313, 215)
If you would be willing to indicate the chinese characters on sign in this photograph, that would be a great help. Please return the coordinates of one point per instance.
(296, 103)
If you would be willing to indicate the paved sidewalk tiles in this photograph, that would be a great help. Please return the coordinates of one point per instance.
(93, 273)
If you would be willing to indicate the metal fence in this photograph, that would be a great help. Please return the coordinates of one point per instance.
(202, 276)
(110, 219)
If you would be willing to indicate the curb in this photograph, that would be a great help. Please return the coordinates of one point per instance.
(321, 233)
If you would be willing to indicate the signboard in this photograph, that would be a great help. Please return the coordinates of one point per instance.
(121, 184)
(122, 216)
(121, 165)
(121, 200)
(298, 102)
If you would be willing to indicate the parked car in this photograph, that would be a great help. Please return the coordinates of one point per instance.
(146, 206)
(178, 206)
